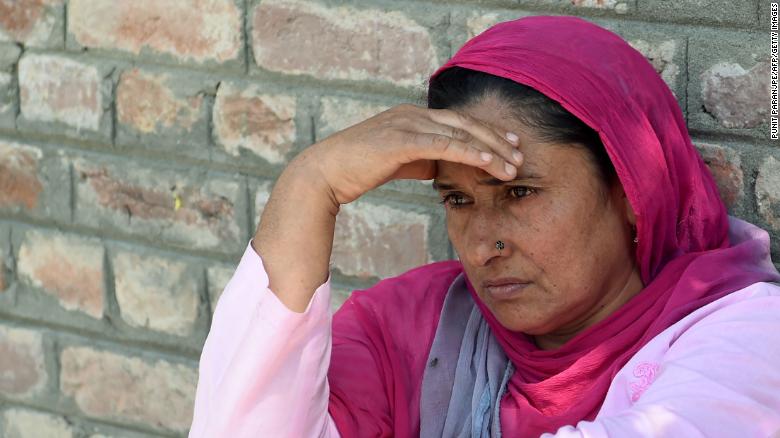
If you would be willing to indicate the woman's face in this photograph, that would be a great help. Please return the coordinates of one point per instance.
(568, 257)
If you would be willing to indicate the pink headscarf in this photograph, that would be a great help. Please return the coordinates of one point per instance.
(684, 254)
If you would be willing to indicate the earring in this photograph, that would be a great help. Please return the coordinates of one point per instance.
(636, 236)
(499, 246)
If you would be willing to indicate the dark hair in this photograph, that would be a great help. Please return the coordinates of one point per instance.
(458, 87)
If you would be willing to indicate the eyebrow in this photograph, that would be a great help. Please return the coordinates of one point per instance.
(438, 185)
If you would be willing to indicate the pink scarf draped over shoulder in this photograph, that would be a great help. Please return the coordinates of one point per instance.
(684, 254)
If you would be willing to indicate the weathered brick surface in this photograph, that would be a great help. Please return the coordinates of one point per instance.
(186, 30)
(53, 88)
(768, 192)
(736, 96)
(193, 209)
(22, 369)
(379, 240)
(155, 393)
(19, 178)
(728, 87)
(386, 46)
(218, 277)
(156, 292)
(26, 423)
(36, 23)
(666, 56)
(338, 113)
(619, 6)
(164, 108)
(9, 56)
(31, 183)
(261, 123)
(7, 99)
(481, 20)
(726, 167)
(67, 267)
(3, 268)
(338, 295)
(736, 12)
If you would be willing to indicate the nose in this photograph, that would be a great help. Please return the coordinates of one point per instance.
(483, 232)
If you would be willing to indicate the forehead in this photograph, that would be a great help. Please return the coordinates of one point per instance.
(540, 158)
(494, 111)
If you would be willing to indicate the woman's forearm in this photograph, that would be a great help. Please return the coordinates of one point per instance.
(295, 234)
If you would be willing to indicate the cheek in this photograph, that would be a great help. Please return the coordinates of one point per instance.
(559, 237)
(455, 227)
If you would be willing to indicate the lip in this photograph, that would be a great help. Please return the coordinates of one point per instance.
(504, 288)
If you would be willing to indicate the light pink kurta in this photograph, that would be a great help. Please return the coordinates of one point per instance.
(716, 373)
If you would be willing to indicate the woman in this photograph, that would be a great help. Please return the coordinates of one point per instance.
(601, 290)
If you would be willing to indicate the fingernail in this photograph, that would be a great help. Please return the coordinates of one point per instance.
(486, 156)
(512, 137)
(510, 169)
(518, 156)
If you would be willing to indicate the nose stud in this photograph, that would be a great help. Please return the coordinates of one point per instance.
(499, 246)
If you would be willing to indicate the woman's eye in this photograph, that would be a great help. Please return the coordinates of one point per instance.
(453, 200)
(520, 192)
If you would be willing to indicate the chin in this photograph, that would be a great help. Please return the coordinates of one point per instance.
(520, 322)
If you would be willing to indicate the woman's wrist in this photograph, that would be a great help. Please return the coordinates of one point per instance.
(305, 173)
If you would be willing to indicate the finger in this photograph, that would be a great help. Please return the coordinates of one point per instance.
(424, 146)
(503, 143)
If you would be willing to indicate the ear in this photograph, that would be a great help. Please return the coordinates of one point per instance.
(630, 215)
(620, 194)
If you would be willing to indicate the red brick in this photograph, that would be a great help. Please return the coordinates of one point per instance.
(768, 192)
(156, 292)
(303, 37)
(22, 370)
(67, 267)
(26, 423)
(379, 240)
(20, 185)
(261, 123)
(32, 22)
(145, 101)
(53, 88)
(106, 385)
(196, 30)
(187, 210)
(726, 168)
(340, 113)
(736, 97)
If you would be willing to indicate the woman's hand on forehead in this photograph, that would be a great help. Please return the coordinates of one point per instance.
(405, 142)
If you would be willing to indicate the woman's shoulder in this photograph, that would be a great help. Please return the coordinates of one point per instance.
(743, 304)
(747, 317)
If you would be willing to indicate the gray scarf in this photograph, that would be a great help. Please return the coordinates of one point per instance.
(466, 375)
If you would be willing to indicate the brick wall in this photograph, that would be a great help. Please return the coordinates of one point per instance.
(139, 141)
